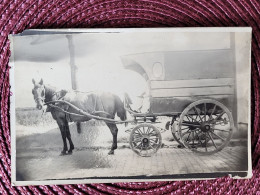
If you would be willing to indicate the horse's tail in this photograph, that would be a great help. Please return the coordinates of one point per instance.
(120, 109)
(78, 127)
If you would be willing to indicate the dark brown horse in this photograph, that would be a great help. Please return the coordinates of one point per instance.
(99, 104)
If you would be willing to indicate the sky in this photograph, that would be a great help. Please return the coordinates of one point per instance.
(97, 56)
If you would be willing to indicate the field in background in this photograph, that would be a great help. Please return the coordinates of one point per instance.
(32, 117)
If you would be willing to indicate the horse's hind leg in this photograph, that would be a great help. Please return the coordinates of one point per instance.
(114, 130)
(63, 135)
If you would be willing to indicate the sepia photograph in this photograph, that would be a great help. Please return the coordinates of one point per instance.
(119, 105)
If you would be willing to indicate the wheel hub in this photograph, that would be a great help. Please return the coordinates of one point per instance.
(205, 127)
(145, 142)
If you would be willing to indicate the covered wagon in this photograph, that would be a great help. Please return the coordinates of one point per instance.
(196, 89)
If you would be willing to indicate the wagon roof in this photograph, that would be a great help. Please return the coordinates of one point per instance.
(179, 65)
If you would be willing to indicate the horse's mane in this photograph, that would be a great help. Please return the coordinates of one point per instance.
(49, 91)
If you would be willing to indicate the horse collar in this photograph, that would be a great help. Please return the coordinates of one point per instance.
(59, 94)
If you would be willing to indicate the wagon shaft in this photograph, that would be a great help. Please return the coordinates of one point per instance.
(82, 113)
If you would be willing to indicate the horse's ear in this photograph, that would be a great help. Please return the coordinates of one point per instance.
(41, 82)
(33, 81)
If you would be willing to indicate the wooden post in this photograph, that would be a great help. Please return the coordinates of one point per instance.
(73, 67)
(73, 70)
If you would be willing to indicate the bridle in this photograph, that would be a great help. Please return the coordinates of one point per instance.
(42, 98)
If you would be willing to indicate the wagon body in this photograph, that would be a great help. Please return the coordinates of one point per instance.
(196, 89)
(178, 78)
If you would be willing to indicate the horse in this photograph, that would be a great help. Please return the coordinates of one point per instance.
(101, 104)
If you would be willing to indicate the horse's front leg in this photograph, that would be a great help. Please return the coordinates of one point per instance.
(63, 135)
(69, 137)
(114, 131)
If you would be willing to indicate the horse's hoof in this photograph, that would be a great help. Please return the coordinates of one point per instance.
(111, 152)
(62, 153)
(69, 152)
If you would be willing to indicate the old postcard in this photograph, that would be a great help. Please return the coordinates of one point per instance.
(118, 105)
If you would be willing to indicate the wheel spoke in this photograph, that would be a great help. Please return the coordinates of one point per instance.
(188, 116)
(193, 125)
(195, 108)
(205, 109)
(154, 134)
(137, 140)
(212, 141)
(221, 114)
(188, 137)
(137, 145)
(142, 147)
(152, 141)
(206, 142)
(212, 112)
(139, 131)
(148, 131)
(137, 135)
(155, 138)
(193, 137)
(189, 131)
(152, 130)
(199, 139)
(218, 136)
(193, 119)
(184, 131)
(185, 128)
(150, 146)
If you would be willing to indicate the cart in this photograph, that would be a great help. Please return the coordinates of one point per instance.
(195, 90)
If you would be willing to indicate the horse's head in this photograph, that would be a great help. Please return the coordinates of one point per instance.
(38, 94)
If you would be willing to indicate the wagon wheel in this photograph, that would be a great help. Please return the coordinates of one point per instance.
(206, 126)
(145, 139)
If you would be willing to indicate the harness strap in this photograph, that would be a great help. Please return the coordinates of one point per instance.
(82, 112)
(51, 104)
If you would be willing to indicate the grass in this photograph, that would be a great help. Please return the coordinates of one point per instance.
(32, 117)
